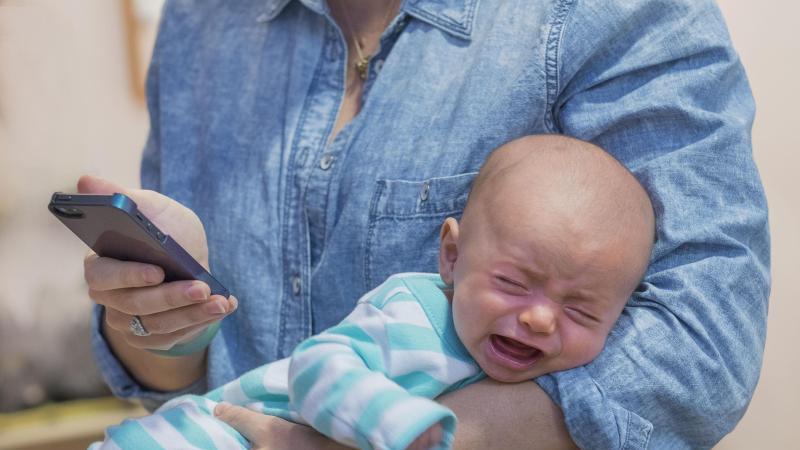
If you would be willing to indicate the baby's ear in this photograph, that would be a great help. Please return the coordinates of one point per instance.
(448, 249)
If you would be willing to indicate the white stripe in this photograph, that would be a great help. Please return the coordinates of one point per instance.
(333, 369)
(164, 433)
(349, 410)
(407, 312)
(276, 377)
(446, 369)
(233, 393)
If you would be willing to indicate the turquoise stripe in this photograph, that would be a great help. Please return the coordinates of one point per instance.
(371, 353)
(347, 329)
(252, 383)
(404, 336)
(351, 330)
(367, 424)
(130, 434)
(421, 384)
(215, 395)
(305, 380)
(191, 430)
(429, 294)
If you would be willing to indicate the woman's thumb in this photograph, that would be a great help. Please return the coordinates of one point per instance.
(89, 184)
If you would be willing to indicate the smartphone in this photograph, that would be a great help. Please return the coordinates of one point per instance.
(113, 227)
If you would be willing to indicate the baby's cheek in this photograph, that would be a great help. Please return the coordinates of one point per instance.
(584, 346)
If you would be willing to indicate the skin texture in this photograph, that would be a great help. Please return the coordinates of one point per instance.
(541, 276)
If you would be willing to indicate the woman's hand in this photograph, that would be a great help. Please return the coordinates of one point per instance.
(172, 313)
(272, 433)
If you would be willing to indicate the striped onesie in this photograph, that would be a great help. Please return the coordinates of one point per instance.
(368, 382)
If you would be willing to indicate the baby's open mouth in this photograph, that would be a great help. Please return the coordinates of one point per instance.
(516, 353)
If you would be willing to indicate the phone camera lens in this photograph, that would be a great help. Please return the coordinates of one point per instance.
(68, 211)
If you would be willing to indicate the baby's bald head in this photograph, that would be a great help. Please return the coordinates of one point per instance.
(555, 238)
(569, 191)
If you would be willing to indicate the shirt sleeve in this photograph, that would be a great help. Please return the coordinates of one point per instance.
(122, 384)
(659, 86)
(338, 384)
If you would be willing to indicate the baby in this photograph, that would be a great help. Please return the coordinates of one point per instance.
(555, 237)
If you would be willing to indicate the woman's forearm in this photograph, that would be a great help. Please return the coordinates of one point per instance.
(508, 416)
(153, 371)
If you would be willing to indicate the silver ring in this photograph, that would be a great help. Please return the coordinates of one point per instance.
(137, 328)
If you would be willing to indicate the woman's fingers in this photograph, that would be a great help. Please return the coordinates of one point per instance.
(254, 427)
(173, 320)
(103, 274)
(153, 299)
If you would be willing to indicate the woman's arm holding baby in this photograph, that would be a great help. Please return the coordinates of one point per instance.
(510, 416)
(490, 414)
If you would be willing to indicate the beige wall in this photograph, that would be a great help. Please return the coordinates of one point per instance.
(765, 35)
(66, 108)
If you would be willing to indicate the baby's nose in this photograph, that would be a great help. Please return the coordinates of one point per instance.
(539, 318)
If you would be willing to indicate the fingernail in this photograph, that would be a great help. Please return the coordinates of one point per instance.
(220, 408)
(152, 275)
(197, 292)
(234, 303)
(215, 307)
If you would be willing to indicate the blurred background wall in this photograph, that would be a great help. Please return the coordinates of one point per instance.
(68, 107)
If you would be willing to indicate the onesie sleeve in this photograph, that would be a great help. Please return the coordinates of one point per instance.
(339, 381)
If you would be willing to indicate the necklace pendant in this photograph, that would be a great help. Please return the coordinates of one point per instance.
(362, 67)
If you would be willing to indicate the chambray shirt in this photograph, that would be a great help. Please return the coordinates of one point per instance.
(243, 96)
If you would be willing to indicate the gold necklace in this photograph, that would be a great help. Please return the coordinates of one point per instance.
(362, 65)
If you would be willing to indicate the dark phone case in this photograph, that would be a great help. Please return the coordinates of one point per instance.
(113, 227)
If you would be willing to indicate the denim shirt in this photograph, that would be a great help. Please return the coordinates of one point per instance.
(243, 97)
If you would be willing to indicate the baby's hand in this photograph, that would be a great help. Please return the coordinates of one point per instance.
(428, 439)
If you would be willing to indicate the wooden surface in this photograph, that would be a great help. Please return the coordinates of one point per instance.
(63, 426)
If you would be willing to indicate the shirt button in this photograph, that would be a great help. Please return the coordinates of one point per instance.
(296, 285)
(378, 66)
(423, 194)
(326, 161)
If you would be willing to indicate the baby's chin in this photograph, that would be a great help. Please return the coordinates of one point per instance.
(510, 377)
(506, 375)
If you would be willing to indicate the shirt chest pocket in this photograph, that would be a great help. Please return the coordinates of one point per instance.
(404, 223)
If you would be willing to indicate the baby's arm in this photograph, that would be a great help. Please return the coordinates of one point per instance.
(185, 422)
(339, 382)
(188, 422)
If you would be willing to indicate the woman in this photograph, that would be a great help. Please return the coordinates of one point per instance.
(321, 144)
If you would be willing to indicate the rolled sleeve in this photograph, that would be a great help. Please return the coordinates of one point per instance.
(658, 85)
(122, 384)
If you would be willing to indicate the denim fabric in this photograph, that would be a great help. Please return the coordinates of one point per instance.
(243, 96)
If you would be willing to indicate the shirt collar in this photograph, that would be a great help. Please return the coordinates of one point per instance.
(455, 17)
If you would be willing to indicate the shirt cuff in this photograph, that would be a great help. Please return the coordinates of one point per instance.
(122, 384)
(593, 419)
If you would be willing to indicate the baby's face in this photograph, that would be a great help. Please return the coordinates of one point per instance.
(533, 300)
